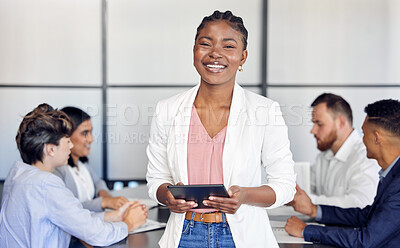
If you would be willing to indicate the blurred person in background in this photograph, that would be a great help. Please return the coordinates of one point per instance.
(37, 209)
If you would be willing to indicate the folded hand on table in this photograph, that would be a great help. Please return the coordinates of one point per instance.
(113, 202)
(294, 226)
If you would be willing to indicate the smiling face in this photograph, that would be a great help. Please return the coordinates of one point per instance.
(218, 52)
(82, 138)
(324, 128)
(369, 139)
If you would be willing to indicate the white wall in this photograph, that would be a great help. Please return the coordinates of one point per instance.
(334, 42)
(315, 46)
(149, 44)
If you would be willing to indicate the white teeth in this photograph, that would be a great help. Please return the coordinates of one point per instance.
(216, 66)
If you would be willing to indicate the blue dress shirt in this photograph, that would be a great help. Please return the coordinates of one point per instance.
(39, 211)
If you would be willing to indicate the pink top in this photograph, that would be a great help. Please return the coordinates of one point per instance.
(204, 155)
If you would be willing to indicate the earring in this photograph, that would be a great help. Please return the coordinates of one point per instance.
(240, 68)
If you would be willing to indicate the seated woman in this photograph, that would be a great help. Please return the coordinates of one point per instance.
(37, 209)
(91, 191)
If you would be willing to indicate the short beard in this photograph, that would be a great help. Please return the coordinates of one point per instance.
(328, 142)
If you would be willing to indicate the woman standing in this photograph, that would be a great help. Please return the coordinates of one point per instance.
(217, 132)
(81, 179)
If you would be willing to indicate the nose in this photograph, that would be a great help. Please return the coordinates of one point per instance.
(215, 53)
(90, 137)
(313, 129)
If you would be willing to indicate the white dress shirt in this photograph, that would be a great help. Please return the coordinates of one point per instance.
(37, 210)
(346, 179)
(83, 181)
(256, 139)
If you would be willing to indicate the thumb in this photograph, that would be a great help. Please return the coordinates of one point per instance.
(298, 189)
(126, 205)
(232, 190)
(180, 183)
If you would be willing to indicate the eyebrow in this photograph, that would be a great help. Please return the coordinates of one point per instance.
(209, 38)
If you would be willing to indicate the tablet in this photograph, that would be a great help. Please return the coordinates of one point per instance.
(198, 192)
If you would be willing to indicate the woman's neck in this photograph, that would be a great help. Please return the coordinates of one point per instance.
(43, 166)
(75, 159)
(214, 95)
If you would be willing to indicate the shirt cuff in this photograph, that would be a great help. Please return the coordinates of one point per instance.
(319, 213)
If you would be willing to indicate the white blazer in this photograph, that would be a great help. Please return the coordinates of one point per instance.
(256, 139)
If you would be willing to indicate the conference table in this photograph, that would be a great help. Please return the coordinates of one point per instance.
(150, 239)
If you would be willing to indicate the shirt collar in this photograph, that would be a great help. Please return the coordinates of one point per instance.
(383, 173)
(345, 150)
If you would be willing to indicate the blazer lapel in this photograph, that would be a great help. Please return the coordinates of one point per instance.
(180, 132)
(236, 123)
(383, 185)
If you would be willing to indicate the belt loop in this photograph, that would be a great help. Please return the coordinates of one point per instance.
(224, 219)
(191, 223)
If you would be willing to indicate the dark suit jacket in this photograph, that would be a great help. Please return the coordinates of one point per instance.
(374, 226)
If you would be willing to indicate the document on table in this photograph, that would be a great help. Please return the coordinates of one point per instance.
(149, 226)
(278, 228)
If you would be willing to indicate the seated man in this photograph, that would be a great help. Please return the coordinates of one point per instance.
(376, 225)
(342, 175)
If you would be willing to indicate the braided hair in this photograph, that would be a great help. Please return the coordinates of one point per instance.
(234, 21)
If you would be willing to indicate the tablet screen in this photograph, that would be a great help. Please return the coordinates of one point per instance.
(198, 192)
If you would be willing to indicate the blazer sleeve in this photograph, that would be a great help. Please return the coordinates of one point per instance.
(157, 169)
(99, 183)
(380, 229)
(332, 215)
(64, 174)
(277, 157)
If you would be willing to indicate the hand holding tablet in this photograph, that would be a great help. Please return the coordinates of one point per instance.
(198, 193)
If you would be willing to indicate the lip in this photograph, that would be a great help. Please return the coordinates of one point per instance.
(214, 67)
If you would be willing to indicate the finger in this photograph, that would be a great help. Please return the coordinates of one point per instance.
(298, 188)
(220, 206)
(125, 206)
(223, 201)
(179, 183)
(232, 190)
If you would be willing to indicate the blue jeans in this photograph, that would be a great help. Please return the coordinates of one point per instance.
(206, 235)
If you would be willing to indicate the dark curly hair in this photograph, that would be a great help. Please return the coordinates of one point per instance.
(234, 21)
(385, 114)
(43, 125)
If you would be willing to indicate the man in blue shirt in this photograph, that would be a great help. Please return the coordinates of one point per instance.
(376, 225)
